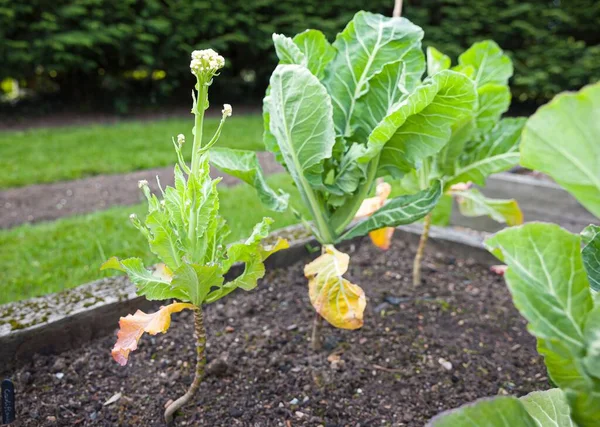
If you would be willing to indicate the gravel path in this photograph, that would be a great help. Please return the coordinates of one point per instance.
(45, 202)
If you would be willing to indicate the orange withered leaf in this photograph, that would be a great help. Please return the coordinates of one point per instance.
(133, 326)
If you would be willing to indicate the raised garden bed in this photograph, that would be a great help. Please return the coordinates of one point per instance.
(394, 371)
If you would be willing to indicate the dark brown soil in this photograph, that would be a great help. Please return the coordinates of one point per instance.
(263, 373)
(44, 202)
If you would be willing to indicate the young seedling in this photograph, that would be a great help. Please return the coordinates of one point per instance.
(338, 116)
(554, 282)
(186, 232)
(481, 144)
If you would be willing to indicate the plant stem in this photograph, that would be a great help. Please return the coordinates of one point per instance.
(200, 363)
(198, 123)
(397, 9)
(420, 250)
(316, 341)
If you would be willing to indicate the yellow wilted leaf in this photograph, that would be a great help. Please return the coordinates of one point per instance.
(381, 238)
(340, 302)
(133, 326)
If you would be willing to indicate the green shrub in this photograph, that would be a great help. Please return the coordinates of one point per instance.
(99, 50)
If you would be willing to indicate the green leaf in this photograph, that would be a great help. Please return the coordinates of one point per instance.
(350, 172)
(385, 89)
(592, 335)
(472, 203)
(561, 140)
(549, 287)
(318, 52)
(436, 61)
(287, 51)
(301, 121)
(243, 164)
(494, 100)
(367, 44)
(163, 240)
(196, 281)
(490, 63)
(152, 285)
(497, 152)
(548, 408)
(398, 211)
(591, 254)
(500, 411)
(420, 125)
(585, 407)
(441, 214)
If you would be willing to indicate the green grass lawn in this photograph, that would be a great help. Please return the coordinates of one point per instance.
(48, 257)
(64, 153)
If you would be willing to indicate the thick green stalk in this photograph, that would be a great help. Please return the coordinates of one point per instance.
(198, 124)
(200, 364)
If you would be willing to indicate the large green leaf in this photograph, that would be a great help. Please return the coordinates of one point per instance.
(367, 44)
(489, 62)
(153, 285)
(385, 89)
(548, 408)
(420, 125)
(243, 164)
(163, 238)
(472, 203)
(287, 51)
(301, 121)
(561, 140)
(591, 254)
(398, 211)
(494, 100)
(497, 152)
(585, 407)
(436, 61)
(549, 286)
(318, 52)
(500, 411)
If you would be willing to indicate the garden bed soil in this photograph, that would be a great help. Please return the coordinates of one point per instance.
(454, 339)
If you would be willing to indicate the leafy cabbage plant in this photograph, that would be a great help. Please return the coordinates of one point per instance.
(185, 230)
(339, 115)
(553, 282)
(481, 144)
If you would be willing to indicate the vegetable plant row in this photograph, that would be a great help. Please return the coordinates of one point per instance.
(353, 122)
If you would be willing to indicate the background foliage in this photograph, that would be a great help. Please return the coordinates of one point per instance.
(119, 52)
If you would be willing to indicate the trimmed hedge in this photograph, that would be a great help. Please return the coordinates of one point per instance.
(120, 51)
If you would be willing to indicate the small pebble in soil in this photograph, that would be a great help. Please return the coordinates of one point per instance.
(235, 412)
(294, 401)
(60, 375)
(445, 364)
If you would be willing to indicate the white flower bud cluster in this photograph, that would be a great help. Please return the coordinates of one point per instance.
(180, 139)
(142, 183)
(206, 61)
(226, 110)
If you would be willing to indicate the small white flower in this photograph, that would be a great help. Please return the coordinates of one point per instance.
(180, 139)
(142, 183)
(206, 60)
(226, 110)
(133, 217)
